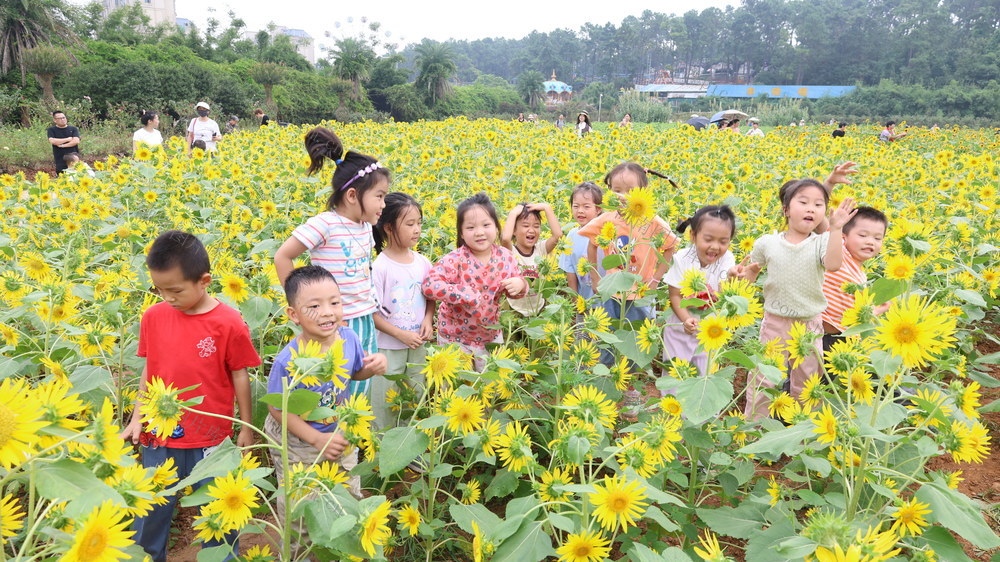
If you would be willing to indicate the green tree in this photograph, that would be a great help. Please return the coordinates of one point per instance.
(25, 24)
(268, 75)
(531, 88)
(46, 62)
(353, 60)
(435, 67)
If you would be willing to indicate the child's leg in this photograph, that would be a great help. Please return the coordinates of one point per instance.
(771, 328)
(678, 344)
(364, 327)
(385, 418)
(347, 462)
(153, 530)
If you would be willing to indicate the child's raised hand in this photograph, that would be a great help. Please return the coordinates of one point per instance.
(540, 207)
(691, 325)
(840, 174)
(745, 269)
(516, 211)
(842, 214)
(516, 287)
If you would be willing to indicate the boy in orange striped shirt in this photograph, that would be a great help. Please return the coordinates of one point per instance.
(863, 236)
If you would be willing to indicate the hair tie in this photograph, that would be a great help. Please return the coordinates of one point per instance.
(362, 173)
(338, 161)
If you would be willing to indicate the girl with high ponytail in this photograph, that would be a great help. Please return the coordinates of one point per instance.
(340, 238)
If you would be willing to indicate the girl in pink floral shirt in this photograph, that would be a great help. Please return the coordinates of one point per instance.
(470, 280)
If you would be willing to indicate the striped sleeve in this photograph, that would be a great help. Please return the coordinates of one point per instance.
(838, 300)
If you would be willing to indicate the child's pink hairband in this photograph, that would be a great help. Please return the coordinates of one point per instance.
(362, 173)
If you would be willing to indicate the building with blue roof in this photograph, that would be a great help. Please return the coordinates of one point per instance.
(556, 91)
(777, 92)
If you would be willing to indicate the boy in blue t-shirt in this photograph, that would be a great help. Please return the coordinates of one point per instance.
(314, 305)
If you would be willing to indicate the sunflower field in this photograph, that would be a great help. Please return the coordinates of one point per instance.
(547, 454)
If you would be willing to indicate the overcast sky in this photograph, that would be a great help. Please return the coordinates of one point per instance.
(408, 21)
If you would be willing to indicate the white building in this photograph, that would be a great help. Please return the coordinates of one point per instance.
(302, 41)
(159, 11)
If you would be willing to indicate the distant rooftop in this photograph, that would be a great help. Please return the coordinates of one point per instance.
(791, 92)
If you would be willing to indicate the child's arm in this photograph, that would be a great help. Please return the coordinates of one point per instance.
(835, 244)
(440, 284)
(374, 364)
(412, 340)
(745, 270)
(690, 322)
(840, 174)
(554, 225)
(285, 256)
(241, 384)
(427, 324)
(332, 445)
(508, 226)
(134, 427)
(662, 267)
(574, 284)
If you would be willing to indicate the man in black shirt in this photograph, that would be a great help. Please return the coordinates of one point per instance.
(840, 131)
(64, 139)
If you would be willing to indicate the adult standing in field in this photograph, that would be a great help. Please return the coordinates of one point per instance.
(583, 124)
(64, 138)
(148, 134)
(259, 114)
(626, 122)
(560, 122)
(755, 130)
(232, 124)
(203, 128)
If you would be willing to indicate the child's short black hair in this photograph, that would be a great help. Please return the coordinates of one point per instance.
(869, 213)
(588, 187)
(478, 200)
(175, 248)
(199, 144)
(301, 276)
(723, 213)
(70, 157)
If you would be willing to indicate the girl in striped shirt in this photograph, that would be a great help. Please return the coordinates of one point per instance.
(340, 238)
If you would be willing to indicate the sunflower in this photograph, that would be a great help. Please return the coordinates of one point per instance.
(375, 528)
(235, 497)
(967, 443)
(782, 407)
(607, 235)
(584, 547)
(712, 332)
(910, 518)
(638, 456)
(409, 520)
(810, 395)
(355, 416)
(11, 518)
(258, 553)
(443, 365)
(693, 281)
(900, 267)
(671, 406)
(59, 408)
(210, 525)
(465, 415)
(135, 487)
(800, 343)
(471, 491)
(862, 311)
(9, 335)
(550, 480)
(330, 475)
(621, 374)
(648, 337)
(966, 398)
(101, 537)
(709, 549)
(589, 404)
(34, 266)
(639, 206)
(161, 407)
(597, 320)
(20, 422)
(618, 502)
(514, 447)
(916, 330)
(826, 425)
(586, 353)
(235, 288)
(859, 385)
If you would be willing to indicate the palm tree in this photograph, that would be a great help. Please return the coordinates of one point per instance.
(46, 62)
(531, 87)
(353, 60)
(25, 24)
(268, 75)
(436, 65)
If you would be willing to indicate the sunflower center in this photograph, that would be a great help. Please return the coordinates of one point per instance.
(618, 503)
(583, 550)
(905, 333)
(7, 424)
(714, 331)
(94, 543)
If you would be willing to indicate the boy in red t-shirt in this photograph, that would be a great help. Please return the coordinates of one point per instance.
(189, 339)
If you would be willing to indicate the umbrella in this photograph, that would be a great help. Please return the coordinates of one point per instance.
(698, 123)
(727, 115)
